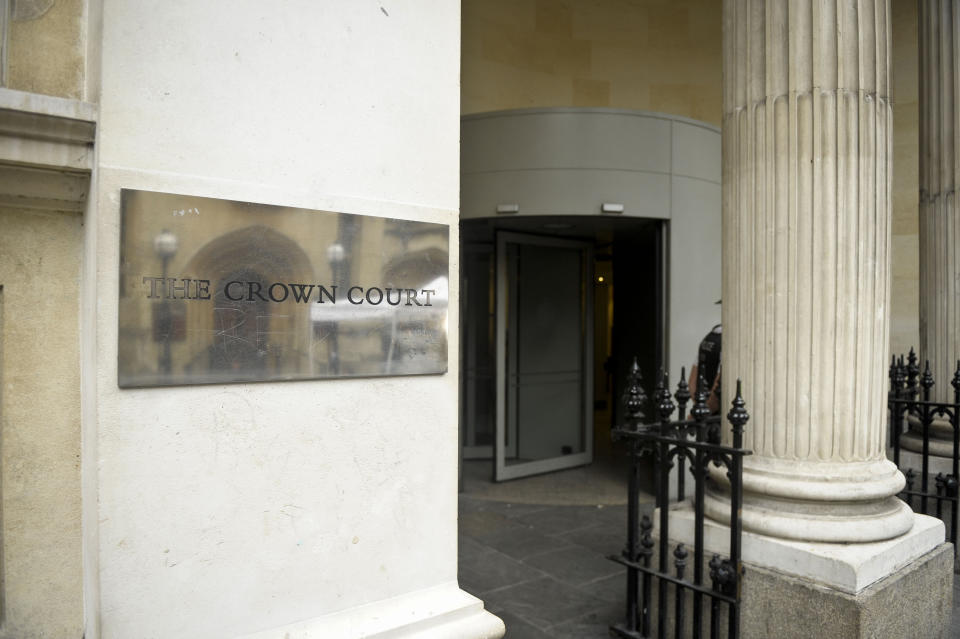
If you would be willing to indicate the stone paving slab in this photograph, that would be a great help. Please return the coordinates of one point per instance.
(564, 519)
(603, 540)
(525, 562)
(484, 572)
(546, 602)
(574, 565)
(507, 509)
(519, 628)
(612, 588)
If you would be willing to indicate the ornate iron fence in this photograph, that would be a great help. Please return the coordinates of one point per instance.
(930, 432)
(695, 444)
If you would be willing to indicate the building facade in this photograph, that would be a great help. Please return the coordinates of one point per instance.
(328, 507)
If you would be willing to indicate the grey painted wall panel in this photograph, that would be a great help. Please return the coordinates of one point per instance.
(695, 269)
(565, 139)
(696, 152)
(565, 192)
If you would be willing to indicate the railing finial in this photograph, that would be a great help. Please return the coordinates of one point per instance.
(683, 389)
(738, 416)
(927, 380)
(634, 398)
(664, 399)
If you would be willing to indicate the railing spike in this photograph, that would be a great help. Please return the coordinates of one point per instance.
(634, 399)
(680, 559)
(927, 380)
(683, 389)
(899, 375)
(738, 416)
(664, 399)
(913, 371)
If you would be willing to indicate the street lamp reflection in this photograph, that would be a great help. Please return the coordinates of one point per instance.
(336, 256)
(165, 245)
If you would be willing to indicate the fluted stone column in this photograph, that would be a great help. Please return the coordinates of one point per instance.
(806, 254)
(939, 37)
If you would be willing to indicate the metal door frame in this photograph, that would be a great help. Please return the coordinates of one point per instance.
(468, 387)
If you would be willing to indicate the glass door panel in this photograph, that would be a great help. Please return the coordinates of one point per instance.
(544, 355)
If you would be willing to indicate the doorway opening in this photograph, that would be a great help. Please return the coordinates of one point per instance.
(554, 308)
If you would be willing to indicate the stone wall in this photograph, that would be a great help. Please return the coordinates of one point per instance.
(327, 504)
(40, 416)
(658, 55)
(47, 47)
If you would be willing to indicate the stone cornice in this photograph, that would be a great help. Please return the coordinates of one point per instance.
(46, 151)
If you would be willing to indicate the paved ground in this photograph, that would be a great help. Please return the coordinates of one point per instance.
(542, 568)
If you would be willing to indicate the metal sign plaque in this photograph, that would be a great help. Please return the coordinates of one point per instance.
(215, 291)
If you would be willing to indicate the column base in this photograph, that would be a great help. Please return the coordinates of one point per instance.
(824, 502)
(435, 613)
(848, 568)
(937, 447)
(935, 464)
(837, 522)
(902, 587)
(940, 442)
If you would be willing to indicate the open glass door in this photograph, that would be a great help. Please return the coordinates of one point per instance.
(544, 355)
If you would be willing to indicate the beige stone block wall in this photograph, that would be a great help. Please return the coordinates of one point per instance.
(41, 593)
(658, 55)
(665, 55)
(46, 49)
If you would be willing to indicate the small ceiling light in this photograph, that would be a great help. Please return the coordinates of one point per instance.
(611, 207)
(600, 279)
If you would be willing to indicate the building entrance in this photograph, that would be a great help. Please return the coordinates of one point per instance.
(543, 335)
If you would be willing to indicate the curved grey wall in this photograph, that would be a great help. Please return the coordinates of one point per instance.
(569, 161)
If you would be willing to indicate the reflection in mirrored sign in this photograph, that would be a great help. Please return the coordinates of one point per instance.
(221, 291)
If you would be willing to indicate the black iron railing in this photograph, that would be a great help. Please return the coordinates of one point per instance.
(916, 424)
(695, 444)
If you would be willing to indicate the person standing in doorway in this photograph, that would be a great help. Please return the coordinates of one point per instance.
(708, 366)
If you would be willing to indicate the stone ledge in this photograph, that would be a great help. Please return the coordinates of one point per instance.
(46, 132)
(46, 151)
(24, 187)
(849, 568)
(433, 613)
(47, 105)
